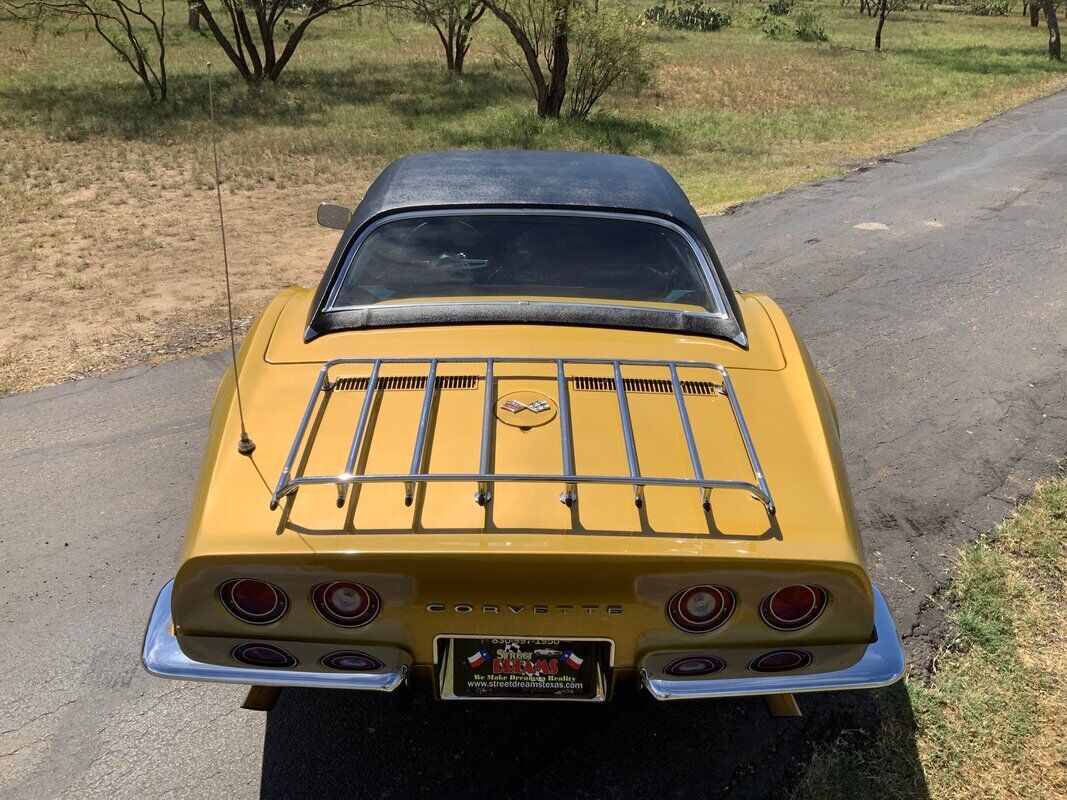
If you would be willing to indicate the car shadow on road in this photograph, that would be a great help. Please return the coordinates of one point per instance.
(327, 744)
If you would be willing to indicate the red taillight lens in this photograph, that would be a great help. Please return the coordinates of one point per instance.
(700, 609)
(346, 603)
(259, 654)
(351, 661)
(694, 665)
(793, 607)
(781, 661)
(257, 602)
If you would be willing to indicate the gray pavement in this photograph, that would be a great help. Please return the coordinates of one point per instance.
(930, 288)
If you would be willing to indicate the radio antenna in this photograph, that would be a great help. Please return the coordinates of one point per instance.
(245, 446)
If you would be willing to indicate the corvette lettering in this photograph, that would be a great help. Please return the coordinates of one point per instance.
(514, 608)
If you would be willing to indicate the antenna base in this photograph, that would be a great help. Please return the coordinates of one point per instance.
(245, 446)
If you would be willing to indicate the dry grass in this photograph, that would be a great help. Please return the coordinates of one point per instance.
(109, 247)
(992, 721)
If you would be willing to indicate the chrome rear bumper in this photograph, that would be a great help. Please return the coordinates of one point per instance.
(164, 658)
(881, 665)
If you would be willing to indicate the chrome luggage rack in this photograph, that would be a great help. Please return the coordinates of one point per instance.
(483, 479)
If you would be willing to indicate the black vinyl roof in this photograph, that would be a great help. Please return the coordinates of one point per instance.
(534, 179)
(527, 178)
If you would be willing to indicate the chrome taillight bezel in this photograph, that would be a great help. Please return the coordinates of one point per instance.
(676, 612)
(226, 593)
(239, 654)
(804, 660)
(820, 600)
(713, 664)
(373, 664)
(373, 605)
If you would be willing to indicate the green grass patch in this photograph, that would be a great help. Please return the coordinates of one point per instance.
(732, 113)
(991, 721)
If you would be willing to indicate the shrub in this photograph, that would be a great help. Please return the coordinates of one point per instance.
(990, 9)
(776, 27)
(607, 48)
(687, 16)
(780, 8)
(804, 23)
(807, 25)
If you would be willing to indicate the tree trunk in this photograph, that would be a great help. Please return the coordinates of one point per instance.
(236, 58)
(561, 61)
(194, 18)
(1053, 30)
(291, 45)
(1035, 14)
(459, 54)
(536, 75)
(883, 9)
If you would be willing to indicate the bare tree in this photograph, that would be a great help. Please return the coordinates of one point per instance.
(130, 29)
(541, 29)
(253, 45)
(194, 17)
(1053, 29)
(453, 21)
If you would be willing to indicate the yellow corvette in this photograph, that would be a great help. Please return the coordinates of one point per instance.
(524, 441)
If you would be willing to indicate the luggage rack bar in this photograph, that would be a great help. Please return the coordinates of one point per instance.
(288, 484)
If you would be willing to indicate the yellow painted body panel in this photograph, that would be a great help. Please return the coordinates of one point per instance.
(600, 569)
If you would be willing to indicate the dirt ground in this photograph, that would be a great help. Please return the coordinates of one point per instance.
(142, 262)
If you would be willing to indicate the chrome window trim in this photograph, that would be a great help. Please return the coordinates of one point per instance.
(710, 276)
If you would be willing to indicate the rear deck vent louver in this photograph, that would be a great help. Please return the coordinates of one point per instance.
(646, 385)
(408, 382)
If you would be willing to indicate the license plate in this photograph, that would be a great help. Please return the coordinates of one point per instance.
(522, 669)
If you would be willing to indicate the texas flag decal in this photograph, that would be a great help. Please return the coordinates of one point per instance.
(479, 658)
(572, 660)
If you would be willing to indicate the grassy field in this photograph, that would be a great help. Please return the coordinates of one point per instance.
(991, 722)
(108, 224)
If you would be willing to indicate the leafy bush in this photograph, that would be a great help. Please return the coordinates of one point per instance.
(780, 8)
(803, 22)
(606, 48)
(776, 27)
(990, 9)
(807, 25)
(687, 16)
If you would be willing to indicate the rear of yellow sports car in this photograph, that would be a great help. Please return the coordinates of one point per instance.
(501, 597)
(524, 441)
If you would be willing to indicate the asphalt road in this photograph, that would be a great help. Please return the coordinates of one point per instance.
(930, 289)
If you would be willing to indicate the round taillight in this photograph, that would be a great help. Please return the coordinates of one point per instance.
(259, 654)
(257, 602)
(781, 661)
(351, 661)
(700, 609)
(793, 607)
(691, 666)
(346, 603)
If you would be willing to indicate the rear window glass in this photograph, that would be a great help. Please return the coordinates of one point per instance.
(547, 258)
